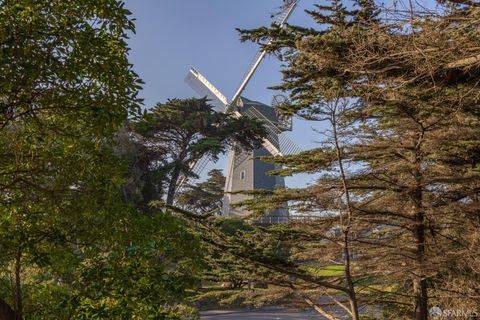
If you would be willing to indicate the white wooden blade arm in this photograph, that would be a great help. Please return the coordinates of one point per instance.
(283, 18)
(204, 88)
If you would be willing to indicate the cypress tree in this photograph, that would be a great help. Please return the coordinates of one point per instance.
(412, 128)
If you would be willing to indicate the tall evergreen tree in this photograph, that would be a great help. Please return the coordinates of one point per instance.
(181, 132)
(412, 105)
(204, 196)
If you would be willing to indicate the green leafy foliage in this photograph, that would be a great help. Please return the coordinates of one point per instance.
(66, 88)
(205, 196)
(174, 135)
(151, 282)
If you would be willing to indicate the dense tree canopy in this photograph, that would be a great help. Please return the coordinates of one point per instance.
(398, 163)
(180, 132)
(205, 196)
(88, 229)
(66, 87)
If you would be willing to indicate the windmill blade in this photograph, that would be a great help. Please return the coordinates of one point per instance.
(228, 180)
(287, 10)
(203, 87)
(196, 167)
(276, 142)
(287, 146)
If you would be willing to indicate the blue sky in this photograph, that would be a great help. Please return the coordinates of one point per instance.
(172, 35)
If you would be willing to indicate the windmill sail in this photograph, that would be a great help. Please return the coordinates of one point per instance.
(245, 171)
(288, 8)
(203, 87)
(276, 142)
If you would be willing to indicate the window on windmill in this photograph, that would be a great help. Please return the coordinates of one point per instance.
(242, 175)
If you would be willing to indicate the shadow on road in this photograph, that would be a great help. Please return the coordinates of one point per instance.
(260, 314)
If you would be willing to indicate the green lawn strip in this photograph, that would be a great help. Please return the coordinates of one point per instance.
(326, 271)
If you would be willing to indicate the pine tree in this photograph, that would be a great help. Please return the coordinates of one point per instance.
(204, 196)
(412, 106)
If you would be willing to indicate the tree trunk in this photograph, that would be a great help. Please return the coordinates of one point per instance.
(345, 224)
(421, 299)
(18, 287)
(172, 187)
(352, 297)
(419, 281)
(6, 312)
(320, 310)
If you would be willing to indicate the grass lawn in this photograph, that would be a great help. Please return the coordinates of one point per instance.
(326, 271)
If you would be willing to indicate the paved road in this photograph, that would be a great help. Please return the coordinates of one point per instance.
(262, 314)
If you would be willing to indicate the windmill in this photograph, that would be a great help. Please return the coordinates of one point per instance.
(244, 171)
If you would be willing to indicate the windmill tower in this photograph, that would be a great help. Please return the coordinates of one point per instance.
(244, 172)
